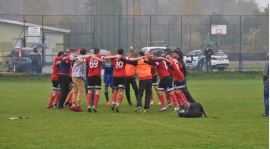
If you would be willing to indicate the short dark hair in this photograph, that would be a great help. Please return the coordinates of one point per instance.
(120, 51)
(141, 53)
(77, 48)
(71, 50)
(35, 50)
(156, 54)
(83, 51)
(169, 55)
(96, 50)
(60, 53)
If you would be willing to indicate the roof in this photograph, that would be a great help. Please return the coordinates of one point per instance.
(34, 25)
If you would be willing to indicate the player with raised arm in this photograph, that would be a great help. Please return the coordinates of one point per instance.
(64, 78)
(179, 84)
(78, 77)
(178, 55)
(108, 77)
(164, 83)
(143, 70)
(154, 79)
(130, 79)
(119, 78)
(94, 78)
(68, 102)
(55, 81)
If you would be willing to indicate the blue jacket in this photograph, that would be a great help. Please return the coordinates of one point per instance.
(64, 67)
(108, 67)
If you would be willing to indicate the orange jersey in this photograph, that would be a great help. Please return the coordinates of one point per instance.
(143, 70)
(130, 71)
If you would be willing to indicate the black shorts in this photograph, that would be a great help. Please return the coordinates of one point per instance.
(154, 80)
(94, 82)
(180, 84)
(119, 82)
(165, 84)
(56, 85)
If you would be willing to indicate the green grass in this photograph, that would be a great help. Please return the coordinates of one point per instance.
(246, 66)
(234, 108)
(3, 68)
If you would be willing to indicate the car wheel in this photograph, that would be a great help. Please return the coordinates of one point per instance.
(221, 69)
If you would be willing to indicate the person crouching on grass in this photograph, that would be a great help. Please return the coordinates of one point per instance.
(78, 76)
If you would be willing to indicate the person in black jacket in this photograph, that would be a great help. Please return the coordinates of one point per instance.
(167, 50)
(208, 52)
(178, 55)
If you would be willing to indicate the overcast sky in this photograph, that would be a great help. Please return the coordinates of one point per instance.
(262, 3)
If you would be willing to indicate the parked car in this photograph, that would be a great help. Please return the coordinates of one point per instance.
(219, 60)
(153, 49)
(20, 60)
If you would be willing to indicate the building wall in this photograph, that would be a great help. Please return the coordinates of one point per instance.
(10, 31)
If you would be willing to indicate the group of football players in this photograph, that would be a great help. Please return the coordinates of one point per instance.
(71, 69)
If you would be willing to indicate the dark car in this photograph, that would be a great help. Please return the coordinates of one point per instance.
(21, 60)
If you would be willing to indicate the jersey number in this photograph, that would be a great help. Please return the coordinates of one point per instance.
(176, 65)
(119, 64)
(93, 64)
(165, 64)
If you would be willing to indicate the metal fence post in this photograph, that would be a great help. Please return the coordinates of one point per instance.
(181, 33)
(150, 31)
(240, 54)
(133, 27)
(43, 64)
(190, 36)
(68, 40)
(86, 29)
(24, 39)
(94, 33)
(168, 34)
(127, 23)
(119, 31)
(146, 33)
(210, 28)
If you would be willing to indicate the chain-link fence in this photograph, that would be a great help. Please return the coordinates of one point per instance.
(105, 27)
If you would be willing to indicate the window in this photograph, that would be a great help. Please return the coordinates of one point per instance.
(25, 53)
(193, 53)
(156, 50)
(15, 53)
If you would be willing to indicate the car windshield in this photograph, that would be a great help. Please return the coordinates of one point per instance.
(25, 53)
(193, 53)
(200, 53)
(103, 52)
(156, 50)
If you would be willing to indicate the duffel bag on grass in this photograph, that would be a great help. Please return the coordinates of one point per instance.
(193, 110)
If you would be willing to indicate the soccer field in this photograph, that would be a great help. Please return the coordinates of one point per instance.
(233, 107)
